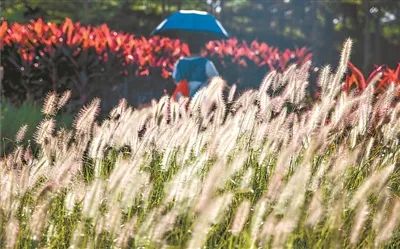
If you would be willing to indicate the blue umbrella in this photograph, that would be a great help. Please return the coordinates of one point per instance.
(191, 21)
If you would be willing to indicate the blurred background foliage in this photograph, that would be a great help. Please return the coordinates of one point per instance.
(28, 113)
(320, 25)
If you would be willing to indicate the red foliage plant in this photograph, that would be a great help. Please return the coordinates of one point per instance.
(72, 56)
(355, 78)
(144, 52)
(260, 53)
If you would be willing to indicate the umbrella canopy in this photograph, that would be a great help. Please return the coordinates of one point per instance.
(186, 22)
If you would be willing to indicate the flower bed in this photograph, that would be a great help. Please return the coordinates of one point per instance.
(42, 56)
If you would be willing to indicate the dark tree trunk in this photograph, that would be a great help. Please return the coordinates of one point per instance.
(378, 39)
(163, 7)
(314, 28)
(367, 36)
(179, 4)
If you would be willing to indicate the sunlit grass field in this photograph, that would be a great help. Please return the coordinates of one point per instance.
(264, 169)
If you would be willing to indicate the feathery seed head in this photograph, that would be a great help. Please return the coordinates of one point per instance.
(240, 218)
(87, 116)
(50, 104)
(64, 99)
(21, 133)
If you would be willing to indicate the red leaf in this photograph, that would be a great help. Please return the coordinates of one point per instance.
(38, 27)
(3, 32)
(398, 71)
(68, 28)
(358, 76)
(144, 72)
(165, 73)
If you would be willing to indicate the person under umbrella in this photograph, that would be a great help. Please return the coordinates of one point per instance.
(196, 28)
(192, 72)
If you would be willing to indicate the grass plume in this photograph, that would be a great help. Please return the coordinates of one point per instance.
(266, 168)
